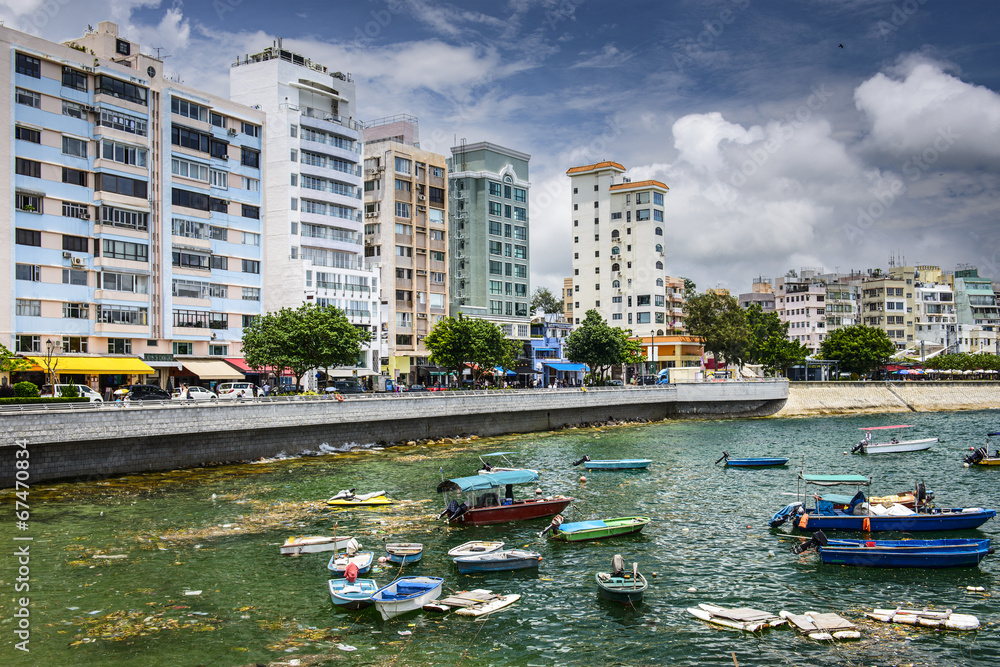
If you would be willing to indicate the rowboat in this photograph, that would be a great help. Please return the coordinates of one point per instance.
(482, 503)
(866, 446)
(352, 595)
(613, 464)
(362, 559)
(864, 516)
(981, 456)
(347, 498)
(741, 618)
(502, 466)
(312, 544)
(759, 462)
(406, 594)
(495, 561)
(473, 603)
(943, 620)
(821, 627)
(924, 554)
(474, 548)
(579, 531)
(404, 552)
(620, 586)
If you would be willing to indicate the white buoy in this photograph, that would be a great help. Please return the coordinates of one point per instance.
(538, 492)
(582, 478)
(692, 590)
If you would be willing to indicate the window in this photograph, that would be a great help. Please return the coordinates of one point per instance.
(520, 252)
(128, 187)
(251, 294)
(127, 282)
(520, 233)
(402, 210)
(74, 176)
(28, 237)
(657, 215)
(520, 271)
(28, 65)
(250, 158)
(189, 109)
(496, 208)
(496, 248)
(520, 290)
(27, 202)
(183, 348)
(496, 307)
(403, 166)
(250, 266)
(496, 268)
(520, 214)
(435, 195)
(73, 210)
(495, 189)
(659, 300)
(76, 311)
(520, 195)
(218, 149)
(642, 318)
(27, 167)
(123, 90)
(218, 120)
(74, 344)
(642, 300)
(179, 167)
(437, 256)
(405, 230)
(188, 199)
(197, 319)
(218, 178)
(641, 198)
(249, 238)
(192, 229)
(216, 291)
(117, 120)
(75, 243)
(642, 214)
(251, 130)
(23, 343)
(219, 262)
(185, 137)
(437, 235)
(251, 184)
(119, 217)
(435, 216)
(136, 252)
(218, 350)
(218, 205)
(658, 199)
(506, 210)
(27, 134)
(28, 98)
(249, 211)
(658, 231)
(119, 346)
(125, 154)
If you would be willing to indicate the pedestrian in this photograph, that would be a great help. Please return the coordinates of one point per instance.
(267, 388)
(186, 391)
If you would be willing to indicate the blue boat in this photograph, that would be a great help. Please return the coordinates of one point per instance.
(924, 554)
(824, 516)
(355, 594)
(496, 561)
(614, 464)
(404, 552)
(339, 562)
(759, 462)
(406, 594)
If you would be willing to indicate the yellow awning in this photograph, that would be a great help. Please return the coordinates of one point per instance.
(212, 369)
(94, 365)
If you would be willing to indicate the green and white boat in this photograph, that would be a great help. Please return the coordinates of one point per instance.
(578, 531)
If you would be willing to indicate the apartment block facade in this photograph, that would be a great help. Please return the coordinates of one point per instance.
(135, 203)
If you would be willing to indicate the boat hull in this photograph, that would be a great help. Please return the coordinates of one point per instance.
(343, 595)
(897, 447)
(475, 548)
(757, 463)
(313, 544)
(519, 510)
(618, 464)
(610, 528)
(404, 553)
(338, 562)
(925, 554)
(936, 520)
(511, 559)
(623, 591)
(406, 594)
(373, 502)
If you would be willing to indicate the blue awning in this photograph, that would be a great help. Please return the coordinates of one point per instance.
(500, 370)
(485, 482)
(566, 367)
(545, 349)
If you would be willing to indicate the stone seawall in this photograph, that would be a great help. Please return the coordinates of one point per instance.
(834, 398)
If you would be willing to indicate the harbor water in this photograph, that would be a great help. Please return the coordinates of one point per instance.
(183, 567)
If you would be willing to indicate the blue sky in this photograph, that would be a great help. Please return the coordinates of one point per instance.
(781, 148)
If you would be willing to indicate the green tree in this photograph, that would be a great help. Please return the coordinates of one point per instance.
(448, 344)
(720, 323)
(302, 339)
(456, 341)
(10, 363)
(544, 299)
(600, 346)
(768, 343)
(859, 349)
(778, 354)
(690, 289)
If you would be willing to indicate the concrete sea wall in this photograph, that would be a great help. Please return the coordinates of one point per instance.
(834, 398)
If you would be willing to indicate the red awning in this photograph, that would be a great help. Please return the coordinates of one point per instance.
(242, 366)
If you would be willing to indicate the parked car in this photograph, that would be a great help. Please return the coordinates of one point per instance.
(230, 391)
(82, 389)
(647, 380)
(146, 392)
(616, 383)
(345, 387)
(416, 387)
(194, 393)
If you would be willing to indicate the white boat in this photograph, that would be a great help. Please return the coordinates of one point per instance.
(311, 544)
(893, 445)
(489, 606)
(945, 620)
(406, 594)
(501, 465)
(474, 548)
(741, 618)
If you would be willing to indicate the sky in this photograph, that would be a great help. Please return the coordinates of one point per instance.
(829, 134)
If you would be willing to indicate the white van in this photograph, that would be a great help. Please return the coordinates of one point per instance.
(82, 389)
(230, 391)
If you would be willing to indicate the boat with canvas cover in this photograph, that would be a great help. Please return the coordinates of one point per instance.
(496, 561)
(863, 516)
(892, 446)
(406, 594)
(982, 456)
(626, 588)
(473, 603)
(480, 499)
(598, 529)
(347, 498)
(821, 626)
(758, 462)
(923, 554)
(311, 544)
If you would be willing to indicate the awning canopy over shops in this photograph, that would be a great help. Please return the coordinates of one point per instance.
(245, 369)
(93, 365)
(566, 367)
(211, 369)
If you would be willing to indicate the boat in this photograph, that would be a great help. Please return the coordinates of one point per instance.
(864, 516)
(981, 456)
(740, 618)
(579, 531)
(944, 620)
(362, 559)
(475, 547)
(404, 552)
(924, 554)
(504, 466)
(613, 464)
(496, 561)
(355, 594)
(820, 626)
(482, 503)
(866, 446)
(473, 603)
(311, 544)
(758, 462)
(347, 498)
(910, 499)
(620, 586)
(406, 594)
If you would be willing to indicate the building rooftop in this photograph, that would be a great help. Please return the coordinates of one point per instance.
(606, 164)
(640, 184)
(277, 53)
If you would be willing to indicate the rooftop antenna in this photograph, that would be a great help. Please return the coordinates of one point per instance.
(158, 49)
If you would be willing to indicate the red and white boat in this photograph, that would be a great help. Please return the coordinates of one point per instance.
(486, 499)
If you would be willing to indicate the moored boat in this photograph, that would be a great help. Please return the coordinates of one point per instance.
(613, 464)
(482, 503)
(311, 544)
(757, 462)
(361, 559)
(892, 446)
(495, 561)
(924, 554)
(347, 498)
(473, 603)
(982, 456)
(626, 588)
(501, 463)
(404, 552)
(579, 531)
(475, 548)
(355, 594)
(406, 594)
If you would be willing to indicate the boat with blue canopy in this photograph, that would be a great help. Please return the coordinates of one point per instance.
(486, 499)
(864, 516)
(924, 554)
(758, 462)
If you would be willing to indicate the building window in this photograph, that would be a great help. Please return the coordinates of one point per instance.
(28, 98)
(136, 252)
(178, 167)
(123, 90)
(520, 214)
(403, 166)
(251, 294)
(251, 211)
(250, 238)
(496, 208)
(251, 130)
(219, 179)
(402, 209)
(126, 154)
(218, 120)
(75, 243)
(27, 134)
(496, 268)
(122, 185)
(250, 158)
(127, 282)
(251, 184)
(119, 346)
(122, 315)
(520, 271)
(658, 231)
(74, 176)
(117, 120)
(520, 252)
(657, 215)
(189, 109)
(28, 307)
(75, 311)
(642, 214)
(29, 272)
(658, 198)
(74, 344)
(189, 199)
(28, 237)
(496, 248)
(118, 217)
(437, 256)
(250, 266)
(28, 65)
(24, 167)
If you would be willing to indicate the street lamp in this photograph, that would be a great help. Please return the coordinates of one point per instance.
(51, 362)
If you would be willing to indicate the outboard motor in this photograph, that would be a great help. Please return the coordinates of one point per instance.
(976, 456)
(818, 540)
(785, 513)
(557, 521)
(585, 458)
(617, 566)
(450, 509)
(459, 511)
(858, 447)
(725, 455)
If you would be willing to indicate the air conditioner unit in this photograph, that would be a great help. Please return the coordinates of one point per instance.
(67, 254)
(421, 197)
(232, 132)
(213, 336)
(85, 216)
(78, 261)
(371, 214)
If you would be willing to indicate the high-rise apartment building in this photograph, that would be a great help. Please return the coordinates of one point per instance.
(313, 232)
(619, 249)
(488, 189)
(406, 237)
(801, 301)
(133, 213)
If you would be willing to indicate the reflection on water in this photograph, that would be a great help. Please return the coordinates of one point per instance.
(115, 564)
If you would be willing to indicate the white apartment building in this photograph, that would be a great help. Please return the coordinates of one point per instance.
(619, 249)
(313, 231)
(802, 303)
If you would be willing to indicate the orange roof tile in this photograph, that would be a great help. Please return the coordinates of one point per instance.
(592, 167)
(640, 184)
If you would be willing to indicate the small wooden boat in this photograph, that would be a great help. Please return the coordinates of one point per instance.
(352, 595)
(740, 618)
(924, 554)
(475, 547)
(613, 464)
(404, 552)
(501, 463)
(982, 457)
(473, 603)
(944, 620)
(348, 499)
(488, 499)
(312, 544)
(821, 627)
(362, 559)
(406, 594)
(598, 529)
(866, 446)
(620, 586)
(495, 561)
(759, 462)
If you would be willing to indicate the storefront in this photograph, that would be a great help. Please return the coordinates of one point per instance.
(205, 373)
(103, 374)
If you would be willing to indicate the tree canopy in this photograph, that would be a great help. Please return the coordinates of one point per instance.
(768, 343)
(303, 339)
(601, 346)
(964, 362)
(456, 341)
(859, 349)
(720, 323)
(11, 364)
(544, 299)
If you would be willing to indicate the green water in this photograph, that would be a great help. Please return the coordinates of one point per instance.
(709, 532)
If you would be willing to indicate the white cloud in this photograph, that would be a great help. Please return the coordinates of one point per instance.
(609, 56)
